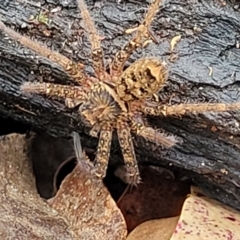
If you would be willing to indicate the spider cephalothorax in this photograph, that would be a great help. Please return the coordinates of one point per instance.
(118, 99)
(100, 106)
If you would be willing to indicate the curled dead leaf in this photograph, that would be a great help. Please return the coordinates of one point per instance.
(86, 203)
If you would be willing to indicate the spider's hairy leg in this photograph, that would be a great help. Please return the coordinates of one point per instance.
(97, 51)
(126, 144)
(152, 135)
(182, 109)
(142, 37)
(73, 69)
(103, 150)
(55, 90)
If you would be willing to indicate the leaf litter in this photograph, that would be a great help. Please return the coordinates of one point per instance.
(159, 208)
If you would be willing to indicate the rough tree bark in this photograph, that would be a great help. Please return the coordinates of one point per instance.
(210, 151)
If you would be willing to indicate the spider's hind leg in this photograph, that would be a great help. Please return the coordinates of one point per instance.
(181, 109)
(156, 136)
(141, 39)
(126, 144)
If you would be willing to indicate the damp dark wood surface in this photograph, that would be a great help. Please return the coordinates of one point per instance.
(204, 67)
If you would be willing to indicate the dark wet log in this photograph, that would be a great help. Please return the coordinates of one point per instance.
(209, 43)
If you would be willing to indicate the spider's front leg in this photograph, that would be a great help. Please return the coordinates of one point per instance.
(97, 51)
(55, 90)
(182, 109)
(126, 144)
(103, 150)
(141, 39)
(73, 69)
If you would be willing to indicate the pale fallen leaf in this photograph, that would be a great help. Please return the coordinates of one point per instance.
(203, 218)
(159, 229)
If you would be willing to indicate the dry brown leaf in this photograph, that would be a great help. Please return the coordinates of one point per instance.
(87, 204)
(159, 229)
(90, 214)
(24, 215)
(158, 196)
(203, 218)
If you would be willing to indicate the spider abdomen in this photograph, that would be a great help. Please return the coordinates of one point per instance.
(142, 79)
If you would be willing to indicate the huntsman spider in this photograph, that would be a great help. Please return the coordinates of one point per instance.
(119, 98)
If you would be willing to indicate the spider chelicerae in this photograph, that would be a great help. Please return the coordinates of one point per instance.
(116, 99)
